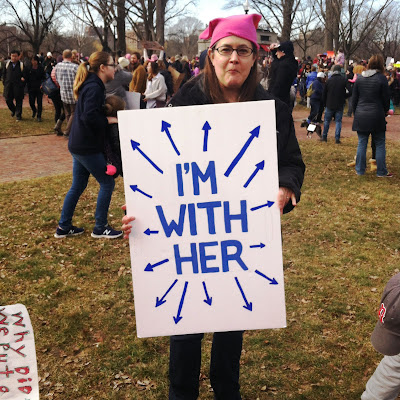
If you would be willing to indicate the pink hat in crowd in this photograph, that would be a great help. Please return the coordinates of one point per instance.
(154, 57)
(127, 56)
(243, 26)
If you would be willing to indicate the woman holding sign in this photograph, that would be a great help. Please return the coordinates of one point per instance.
(230, 75)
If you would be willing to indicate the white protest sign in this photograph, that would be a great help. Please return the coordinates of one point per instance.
(18, 367)
(132, 100)
(206, 250)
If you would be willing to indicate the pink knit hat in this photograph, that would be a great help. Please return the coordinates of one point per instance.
(243, 26)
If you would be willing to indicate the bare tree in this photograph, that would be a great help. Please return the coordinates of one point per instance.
(183, 36)
(359, 18)
(279, 14)
(33, 18)
(148, 18)
(96, 14)
(307, 26)
(385, 39)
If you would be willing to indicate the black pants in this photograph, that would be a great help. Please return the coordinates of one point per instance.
(58, 106)
(185, 362)
(315, 106)
(17, 107)
(36, 96)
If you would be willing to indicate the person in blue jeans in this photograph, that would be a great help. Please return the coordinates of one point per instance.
(336, 90)
(87, 145)
(371, 102)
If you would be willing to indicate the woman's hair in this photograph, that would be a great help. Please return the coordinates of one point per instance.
(95, 60)
(313, 68)
(376, 62)
(36, 58)
(213, 88)
(154, 70)
(113, 104)
(358, 69)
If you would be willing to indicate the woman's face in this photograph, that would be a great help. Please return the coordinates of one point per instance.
(149, 67)
(110, 69)
(232, 70)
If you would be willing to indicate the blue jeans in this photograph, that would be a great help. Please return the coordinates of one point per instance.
(185, 362)
(361, 159)
(83, 166)
(338, 114)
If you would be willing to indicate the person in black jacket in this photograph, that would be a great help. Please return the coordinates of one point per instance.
(316, 99)
(34, 77)
(86, 145)
(283, 71)
(336, 90)
(14, 83)
(230, 75)
(371, 102)
(112, 145)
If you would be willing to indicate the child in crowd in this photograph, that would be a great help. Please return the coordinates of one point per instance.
(384, 384)
(112, 145)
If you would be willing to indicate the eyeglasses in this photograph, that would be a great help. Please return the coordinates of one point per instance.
(110, 65)
(228, 50)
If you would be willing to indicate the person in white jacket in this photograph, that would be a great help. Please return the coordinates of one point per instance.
(156, 89)
(384, 384)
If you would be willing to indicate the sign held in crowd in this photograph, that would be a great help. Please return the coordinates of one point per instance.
(18, 366)
(202, 182)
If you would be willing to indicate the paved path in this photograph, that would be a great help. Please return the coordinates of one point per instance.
(37, 156)
(33, 157)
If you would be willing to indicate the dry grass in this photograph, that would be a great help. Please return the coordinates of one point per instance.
(340, 247)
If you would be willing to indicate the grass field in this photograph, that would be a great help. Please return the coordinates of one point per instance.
(340, 247)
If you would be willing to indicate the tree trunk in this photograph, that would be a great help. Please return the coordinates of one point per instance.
(160, 20)
(287, 20)
(121, 13)
(329, 16)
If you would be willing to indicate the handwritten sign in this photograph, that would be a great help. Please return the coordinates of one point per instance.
(206, 251)
(18, 367)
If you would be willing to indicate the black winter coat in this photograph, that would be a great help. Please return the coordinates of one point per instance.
(34, 77)
(290, 163)
(88, 131)
(113, 148)
(337, 89)
(371, 102)
(282, 74)
(12, 77)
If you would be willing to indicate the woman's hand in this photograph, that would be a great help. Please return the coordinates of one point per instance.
(126, 226)
(112, 120)
(284, 195)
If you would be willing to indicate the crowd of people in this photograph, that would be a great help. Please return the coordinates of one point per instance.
(88, 92)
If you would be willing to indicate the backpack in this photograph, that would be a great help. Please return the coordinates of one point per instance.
(310, 90)
(21, 65)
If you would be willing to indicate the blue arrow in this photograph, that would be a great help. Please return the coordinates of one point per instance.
(254, 246)
(259, 167)
(178, 316)
(208, 300)
(148, 232)
(254, 133)
(135, 146)
(162, 301)
(268, 204)
(248, 306)
(206, 127)
(164, 128)
(136, 189)
(150, 267)
(271, 281)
